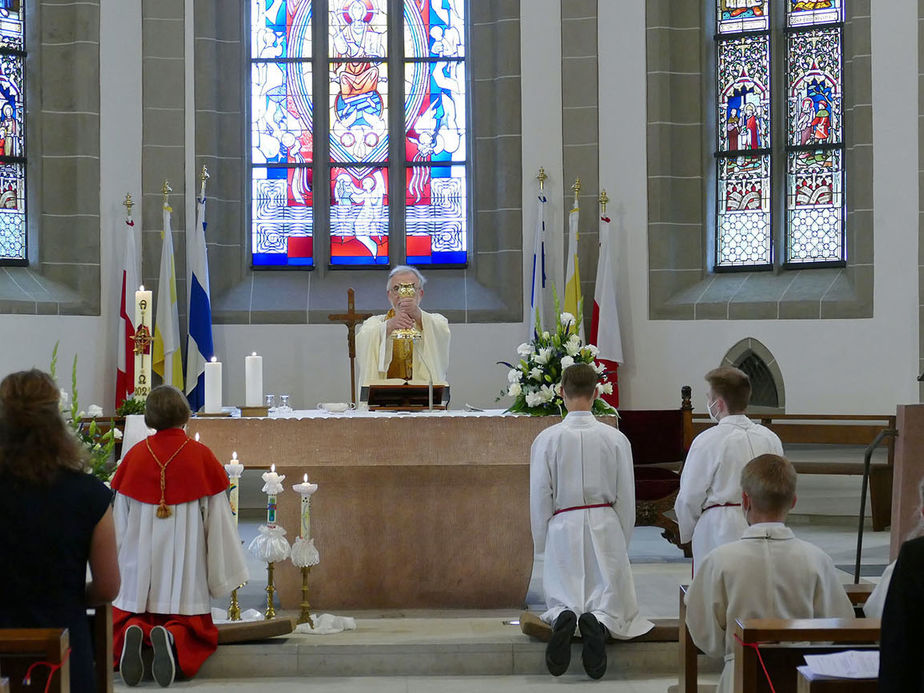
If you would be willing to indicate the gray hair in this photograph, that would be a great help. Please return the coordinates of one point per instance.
(401, 269)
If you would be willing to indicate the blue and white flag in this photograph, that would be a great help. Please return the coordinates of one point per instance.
(537, 294)
(199, 346)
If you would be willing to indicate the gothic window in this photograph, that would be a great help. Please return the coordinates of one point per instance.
(780, 148)
(12, 120)
(386, 180)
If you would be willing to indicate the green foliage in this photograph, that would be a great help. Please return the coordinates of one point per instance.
(130, 406)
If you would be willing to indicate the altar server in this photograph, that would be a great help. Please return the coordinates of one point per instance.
(708, 505)
(178, 546)
(381, 357)
(767, 573)
(582, 511)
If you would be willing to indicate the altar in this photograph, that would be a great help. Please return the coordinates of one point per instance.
(427, 510)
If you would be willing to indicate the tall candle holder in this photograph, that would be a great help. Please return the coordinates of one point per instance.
(270, 544)
(304, 554)
(235, 469)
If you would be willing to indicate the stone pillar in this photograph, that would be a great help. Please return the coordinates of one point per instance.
(909, 470)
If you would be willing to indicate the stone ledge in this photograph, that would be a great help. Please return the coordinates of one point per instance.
(24, 291)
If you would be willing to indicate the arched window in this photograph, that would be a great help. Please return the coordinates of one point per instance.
(780, 146)
(379, 173)
(12, 120)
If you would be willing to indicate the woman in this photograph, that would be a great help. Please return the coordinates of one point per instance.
(54, 519)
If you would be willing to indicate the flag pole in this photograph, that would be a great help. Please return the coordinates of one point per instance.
(166, 190)
(577, 189)
(203, 176)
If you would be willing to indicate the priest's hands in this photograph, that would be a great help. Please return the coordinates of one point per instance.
(401, 321)
(409, 307)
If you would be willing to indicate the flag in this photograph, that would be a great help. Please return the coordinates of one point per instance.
(604, 325)
(166, 360)
(125, 347)
(537, 295)
(573, 301)
(199, 348)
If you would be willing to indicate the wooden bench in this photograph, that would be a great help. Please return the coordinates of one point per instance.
(689, 664)
(782, 645)
(21, 647)
(808, 682)
(835, 429)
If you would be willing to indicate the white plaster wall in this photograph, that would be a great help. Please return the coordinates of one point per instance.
(836, 366)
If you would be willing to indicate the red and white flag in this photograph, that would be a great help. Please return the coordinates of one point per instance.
(130, 280)
(604, 326)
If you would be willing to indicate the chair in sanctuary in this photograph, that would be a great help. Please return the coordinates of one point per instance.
(660, 440)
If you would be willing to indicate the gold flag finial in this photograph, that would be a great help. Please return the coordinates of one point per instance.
(541, 178)
(577, 189)
(128, 203)
(603, 200)
(166, 190)
(204, 174)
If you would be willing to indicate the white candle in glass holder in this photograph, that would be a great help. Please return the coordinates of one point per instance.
(212, 386)
(253, 380)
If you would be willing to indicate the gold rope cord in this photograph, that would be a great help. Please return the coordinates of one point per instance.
(162, 510)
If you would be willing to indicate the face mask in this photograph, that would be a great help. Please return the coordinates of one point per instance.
(712, 414)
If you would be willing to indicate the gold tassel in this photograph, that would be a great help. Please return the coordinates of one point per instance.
(163, 511)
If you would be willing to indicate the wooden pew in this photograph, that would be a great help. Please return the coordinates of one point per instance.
(689, 665)
(807, 682)
(101, 632)
(835, 429)
(782, 647)
(20, 647)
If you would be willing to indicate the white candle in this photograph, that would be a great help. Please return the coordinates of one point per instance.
(234, 468)
(253, 380)
(305, 490)
(144, 310)
(212, 386)
(272, 485)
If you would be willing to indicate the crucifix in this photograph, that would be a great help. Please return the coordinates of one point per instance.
(351, 319)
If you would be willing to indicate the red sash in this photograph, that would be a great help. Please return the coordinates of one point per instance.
(582, 507)
(722, 505)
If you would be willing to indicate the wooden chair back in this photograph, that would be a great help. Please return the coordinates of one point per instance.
(21, 647)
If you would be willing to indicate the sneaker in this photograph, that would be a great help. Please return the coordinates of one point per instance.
(593, 655)
(163, 666)
(130, 665)
(558, 651)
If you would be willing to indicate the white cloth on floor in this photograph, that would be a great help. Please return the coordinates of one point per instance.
(326, 624)
(712, 477)
(768, 573)
(220, 616)
(431, 352)
(582, 461)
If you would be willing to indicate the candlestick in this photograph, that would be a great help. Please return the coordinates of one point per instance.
(212, 386)
(235, 469)
(253, 380)
(143, 339)
(272, 485)
(304, 554)
(305, 490)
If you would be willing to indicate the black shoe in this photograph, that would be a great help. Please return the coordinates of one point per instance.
(163, 666)
(593, 656)
(130, 665)
(558, 651)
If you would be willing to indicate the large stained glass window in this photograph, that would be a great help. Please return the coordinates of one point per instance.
(753, 149)
(12, 136)
(359, 191)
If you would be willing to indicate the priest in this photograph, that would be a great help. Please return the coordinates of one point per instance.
(767, 573)
(382, 356)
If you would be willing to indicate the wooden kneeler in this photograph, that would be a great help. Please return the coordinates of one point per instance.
(22, 647)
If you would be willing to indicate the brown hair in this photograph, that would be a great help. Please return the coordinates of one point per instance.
(166, 408)
(731, 384)
(579, 380)
(35, 442)
(770, 482)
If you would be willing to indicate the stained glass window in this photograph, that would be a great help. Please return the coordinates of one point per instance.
(751, 146)
(387, 67)
(12, 135)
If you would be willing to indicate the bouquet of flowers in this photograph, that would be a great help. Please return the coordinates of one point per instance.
(535, 380)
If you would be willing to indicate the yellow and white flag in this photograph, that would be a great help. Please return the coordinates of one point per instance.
(167, 359)
(573, 302)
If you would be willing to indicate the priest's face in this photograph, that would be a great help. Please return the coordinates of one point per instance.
(404, 278)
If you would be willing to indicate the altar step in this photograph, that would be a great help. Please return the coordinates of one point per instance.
(431, 646)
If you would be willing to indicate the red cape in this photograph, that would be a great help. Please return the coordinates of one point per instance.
(194, 473)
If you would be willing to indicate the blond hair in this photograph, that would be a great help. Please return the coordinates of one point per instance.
(731, 384)
(770, 482)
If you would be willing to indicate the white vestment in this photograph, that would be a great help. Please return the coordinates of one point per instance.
(768, 573)
(582, 461)
(174, 565)
(876, 600)
(712, 477)
(431, 352)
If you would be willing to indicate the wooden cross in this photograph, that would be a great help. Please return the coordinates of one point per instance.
(351, 319)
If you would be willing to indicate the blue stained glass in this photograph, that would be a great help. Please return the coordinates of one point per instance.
(281, 216)
(358, 112)
(815, 79)
(12, 24)
(436, 127)
(744, 93)
(281, 113)
(436, 206)
(434, 28)
(358, 29)
(12, 132)
(359, 216)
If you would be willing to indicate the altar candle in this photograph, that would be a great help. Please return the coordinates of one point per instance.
(271, 478)
(144, 308)
(212, 386)
(234, 469)
(253, 380)
(305, 490)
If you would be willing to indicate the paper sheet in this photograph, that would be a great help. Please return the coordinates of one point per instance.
(851, 664)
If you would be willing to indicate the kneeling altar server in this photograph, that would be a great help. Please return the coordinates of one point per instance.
(582, 510)
(178, 546)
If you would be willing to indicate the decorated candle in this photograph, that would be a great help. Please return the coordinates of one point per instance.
(272, 485)
(212, 386)
(234, 468)
(144, 313)
(253, 380)
(305, 490)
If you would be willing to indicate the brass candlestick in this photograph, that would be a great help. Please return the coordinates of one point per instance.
(270, 590)
(234, 609)
(305, 615)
